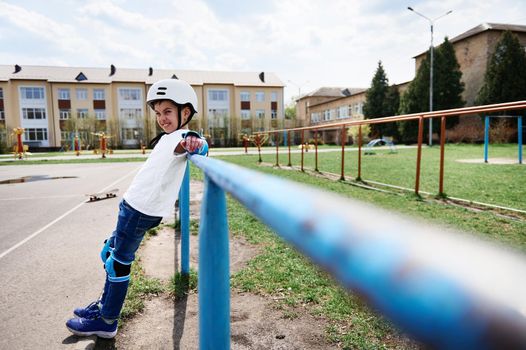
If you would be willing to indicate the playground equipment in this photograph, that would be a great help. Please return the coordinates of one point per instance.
(486, 135)
(102, 141)
(384, 141)
(19, 149)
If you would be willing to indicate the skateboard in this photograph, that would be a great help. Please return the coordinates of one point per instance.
(103, 195)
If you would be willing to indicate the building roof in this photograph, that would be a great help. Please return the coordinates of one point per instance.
(56, 74)
(333, 92)
(482, 28)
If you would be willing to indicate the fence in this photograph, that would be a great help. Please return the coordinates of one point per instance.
(443, 114)
(445, 289)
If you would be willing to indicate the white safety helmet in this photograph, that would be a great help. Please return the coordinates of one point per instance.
(178, 91)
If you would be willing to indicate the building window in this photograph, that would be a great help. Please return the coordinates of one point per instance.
(273, 96)
(260, 113)
(260, 96)
(326, 115)
(217, 117)
(130, 94)
(82, 94)
(315, 117)
(332, 114)
(245, 96)
(245, 114)
(64, 136)
(217, 95)
(273, 114)
(130, 133)
(33, 113)
(343, 112)
(100, 114)
(63, 94)
(35, 134)
(99, 95)
(82, 113)
(2, 115)
(1, 94)
(32, 93)
(130, 113)
(64, 114)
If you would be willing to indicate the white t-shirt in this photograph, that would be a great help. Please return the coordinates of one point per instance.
(155, 188)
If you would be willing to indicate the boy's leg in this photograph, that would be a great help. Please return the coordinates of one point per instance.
(131, 227)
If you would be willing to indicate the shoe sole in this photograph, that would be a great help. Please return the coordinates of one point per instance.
(101, 334)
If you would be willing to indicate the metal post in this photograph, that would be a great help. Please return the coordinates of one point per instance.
(442, 144)
(258, 142)
(431, 89)
(214, 279)
(316, 150)
(288, 142)
(419, 153)
(302, 145)
(184, 207)
(359, 178)
(277, 148)
(486, 138)
(519, 127)
(342, 176)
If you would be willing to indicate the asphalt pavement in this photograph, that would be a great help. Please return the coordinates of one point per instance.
(50, 238)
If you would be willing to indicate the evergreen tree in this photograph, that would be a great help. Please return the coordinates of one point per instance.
(381, 102)
(447, 90)
(447, 84)
(391, 107)
(505, 78)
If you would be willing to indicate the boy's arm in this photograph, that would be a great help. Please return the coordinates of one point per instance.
(192, 143)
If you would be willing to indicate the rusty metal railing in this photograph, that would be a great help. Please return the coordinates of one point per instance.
(443, 114)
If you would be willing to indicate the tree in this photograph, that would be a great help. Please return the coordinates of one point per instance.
(381, 101)
(505, 78)
(290, 112)
(447, 90)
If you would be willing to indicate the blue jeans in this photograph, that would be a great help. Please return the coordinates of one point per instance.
(125, 240)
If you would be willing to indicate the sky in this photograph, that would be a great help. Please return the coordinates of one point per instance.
(307, 43)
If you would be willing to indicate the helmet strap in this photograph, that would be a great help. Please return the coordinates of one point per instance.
(179, 125)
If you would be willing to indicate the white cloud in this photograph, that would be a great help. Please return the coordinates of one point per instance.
(336, 43)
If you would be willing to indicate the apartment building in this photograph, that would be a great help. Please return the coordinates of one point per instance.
(53, 103)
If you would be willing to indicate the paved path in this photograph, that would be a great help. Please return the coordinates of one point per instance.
(49, 242)
(213, 153)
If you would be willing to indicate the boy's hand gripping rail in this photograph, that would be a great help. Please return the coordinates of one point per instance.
(446, 289)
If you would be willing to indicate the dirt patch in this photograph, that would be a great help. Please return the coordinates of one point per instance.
(490, 161)
(255, 324)
(160, 254)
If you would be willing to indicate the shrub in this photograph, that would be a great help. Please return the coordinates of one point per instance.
(469, 130)
(503, 131)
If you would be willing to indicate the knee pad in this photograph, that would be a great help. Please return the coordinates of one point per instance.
(116, 270)
(107, 249)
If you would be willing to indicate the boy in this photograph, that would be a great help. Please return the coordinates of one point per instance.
(151, 195)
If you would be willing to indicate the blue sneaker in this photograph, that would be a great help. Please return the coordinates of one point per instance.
(95, 326)
(90, 311)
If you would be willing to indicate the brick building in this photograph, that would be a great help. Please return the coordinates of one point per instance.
(473, 48)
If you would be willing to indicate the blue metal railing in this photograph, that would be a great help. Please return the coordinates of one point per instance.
(446, 289)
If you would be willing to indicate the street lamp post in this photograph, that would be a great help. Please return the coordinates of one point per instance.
(298, 86)
(431, 49)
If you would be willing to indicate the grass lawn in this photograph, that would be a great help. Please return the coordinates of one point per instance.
(498, 184)
(282, 272)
